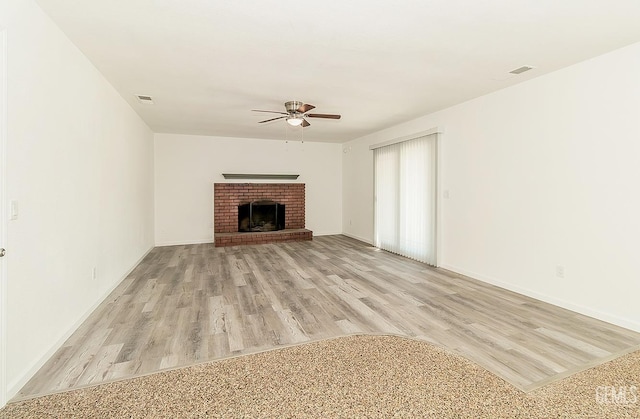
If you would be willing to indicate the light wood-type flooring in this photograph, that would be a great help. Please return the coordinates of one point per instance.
(189, 304)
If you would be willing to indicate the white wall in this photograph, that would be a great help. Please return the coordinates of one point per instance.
(541, 174)
(80, 165)
(187, 166)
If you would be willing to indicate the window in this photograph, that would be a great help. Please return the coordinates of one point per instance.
(405, 198)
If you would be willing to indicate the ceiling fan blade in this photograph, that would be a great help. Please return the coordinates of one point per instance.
(258, 110)
(323, 115)
(305, 108)
(305, 123)
(272, 119)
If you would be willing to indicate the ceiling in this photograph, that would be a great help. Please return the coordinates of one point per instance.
(207, 63)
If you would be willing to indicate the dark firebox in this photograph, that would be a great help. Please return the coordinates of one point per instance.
(264, 215)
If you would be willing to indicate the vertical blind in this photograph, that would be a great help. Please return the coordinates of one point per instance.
(405, 198)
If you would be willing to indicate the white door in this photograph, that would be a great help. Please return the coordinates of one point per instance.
(3, 214)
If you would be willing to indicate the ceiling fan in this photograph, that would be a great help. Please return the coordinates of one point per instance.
(296, 112)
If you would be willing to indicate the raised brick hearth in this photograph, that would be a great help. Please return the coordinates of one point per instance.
(234, 239)
(227, 197)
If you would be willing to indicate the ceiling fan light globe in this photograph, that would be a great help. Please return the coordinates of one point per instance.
(294, 121)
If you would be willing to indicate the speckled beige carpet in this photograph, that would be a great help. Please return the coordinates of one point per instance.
(356, 376)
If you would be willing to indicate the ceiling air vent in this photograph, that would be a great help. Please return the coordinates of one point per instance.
(144, 99)
(521, 70)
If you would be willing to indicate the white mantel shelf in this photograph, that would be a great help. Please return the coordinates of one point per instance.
(259, 176)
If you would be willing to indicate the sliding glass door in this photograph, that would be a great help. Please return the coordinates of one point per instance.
(405, 198)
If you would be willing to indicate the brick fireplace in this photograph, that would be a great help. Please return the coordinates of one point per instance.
(227, 197)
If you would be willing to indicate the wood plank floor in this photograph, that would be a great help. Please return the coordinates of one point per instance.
(189, 304)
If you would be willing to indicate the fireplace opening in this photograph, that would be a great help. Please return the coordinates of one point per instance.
(264, 215)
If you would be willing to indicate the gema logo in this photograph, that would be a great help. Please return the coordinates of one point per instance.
(616, 395)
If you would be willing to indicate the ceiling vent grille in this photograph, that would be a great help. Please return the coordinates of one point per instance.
(145, 99)
(521, 70)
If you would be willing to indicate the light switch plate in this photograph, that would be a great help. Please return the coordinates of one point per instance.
(13, 210)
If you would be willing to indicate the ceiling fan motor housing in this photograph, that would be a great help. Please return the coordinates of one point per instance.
(293, 106)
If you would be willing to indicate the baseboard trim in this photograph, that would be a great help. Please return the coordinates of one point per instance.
(184, 242)
(16, 385)
(596, 314)
(337, 233)
(362, 239)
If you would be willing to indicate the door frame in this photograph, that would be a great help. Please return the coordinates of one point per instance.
(3, 214)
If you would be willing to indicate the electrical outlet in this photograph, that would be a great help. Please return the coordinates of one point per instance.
(94, 273)
(560, 271)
